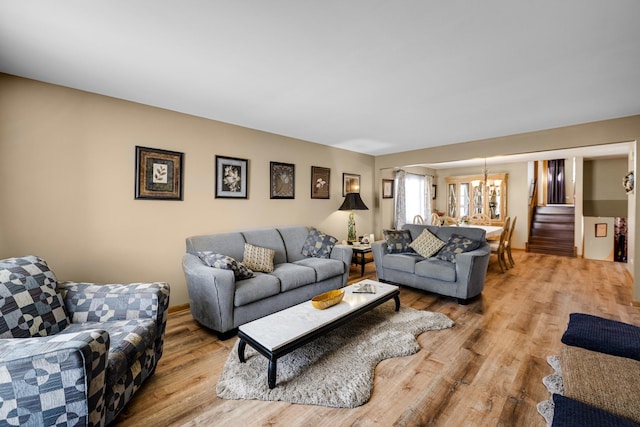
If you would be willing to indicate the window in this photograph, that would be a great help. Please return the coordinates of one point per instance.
(415, 197)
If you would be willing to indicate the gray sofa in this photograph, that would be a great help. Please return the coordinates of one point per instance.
(463, 279)
(222, 303)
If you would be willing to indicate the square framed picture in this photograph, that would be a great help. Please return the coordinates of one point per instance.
(601, 229)
(282, 180)
(350, 183)
(158, 174)
(387, 189)
(232, 177)
(320, 182)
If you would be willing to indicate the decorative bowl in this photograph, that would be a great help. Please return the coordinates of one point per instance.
(327, 299)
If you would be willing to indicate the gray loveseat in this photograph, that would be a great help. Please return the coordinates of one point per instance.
(222, 303)
(463, 279)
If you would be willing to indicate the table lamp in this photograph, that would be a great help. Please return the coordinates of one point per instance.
(352, 201)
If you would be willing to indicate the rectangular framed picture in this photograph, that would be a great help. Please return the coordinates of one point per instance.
(350, 183)
(232, 177)
(158, 174)
(601, 229)
(320, 182)
(434, 191)
(387, 189)
(282, 180)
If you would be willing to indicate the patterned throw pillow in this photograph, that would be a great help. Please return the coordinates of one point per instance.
(426, 244)
(258, 259)
(398, 241)
(224, 262)
(456, 245)
(29, 303)
(318, 244)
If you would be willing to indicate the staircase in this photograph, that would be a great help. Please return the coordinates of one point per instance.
(552, 230)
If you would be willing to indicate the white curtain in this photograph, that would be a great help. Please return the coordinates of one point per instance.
(400, 213)
(428, 182)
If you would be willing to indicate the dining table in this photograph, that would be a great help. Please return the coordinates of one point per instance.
(491, 231)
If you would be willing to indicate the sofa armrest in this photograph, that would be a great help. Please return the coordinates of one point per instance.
(343, 253)
(69, 376)
(471, 271)
(379, 249)
(91, 302)
(211, 293)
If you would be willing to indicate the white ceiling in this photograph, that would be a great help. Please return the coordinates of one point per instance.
(370, 76)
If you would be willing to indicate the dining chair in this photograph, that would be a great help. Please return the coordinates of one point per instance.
(436, 219)
(418, 219)
(447, 220)
(497, 246)
(480, 219)
(507, 245)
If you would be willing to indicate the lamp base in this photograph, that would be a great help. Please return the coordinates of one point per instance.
(351, 232)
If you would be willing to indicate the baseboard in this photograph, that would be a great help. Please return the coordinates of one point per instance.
(181, 307)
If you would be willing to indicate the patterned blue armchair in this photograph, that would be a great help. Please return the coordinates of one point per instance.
(74, 353)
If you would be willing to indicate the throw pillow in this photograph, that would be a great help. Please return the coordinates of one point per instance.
(258, 259)
(426, 244)
(30, 306)
(224, 262)
(318, 244)
(398, 241)
(456, 245)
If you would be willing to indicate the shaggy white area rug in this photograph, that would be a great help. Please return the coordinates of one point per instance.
(335, 370)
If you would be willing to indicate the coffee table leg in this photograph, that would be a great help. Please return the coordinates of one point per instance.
(241, 346)
(273, 367)
(397, 300)
(362, 264)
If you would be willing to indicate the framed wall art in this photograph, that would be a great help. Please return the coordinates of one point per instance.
(601, 229)
(320, 182)
(282, 180)
(350, 183)
(387, 189)
(232, 177)
(158, 174)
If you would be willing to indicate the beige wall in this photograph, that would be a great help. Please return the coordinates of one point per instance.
(604, 194)
(67, 184)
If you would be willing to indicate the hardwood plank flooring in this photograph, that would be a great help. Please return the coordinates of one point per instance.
(485, 371)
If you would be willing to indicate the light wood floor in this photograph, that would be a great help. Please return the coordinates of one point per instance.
(485, 371)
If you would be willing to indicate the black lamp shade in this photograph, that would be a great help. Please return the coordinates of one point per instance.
(353, 202)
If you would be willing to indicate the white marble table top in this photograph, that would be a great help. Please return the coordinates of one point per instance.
(287, 325)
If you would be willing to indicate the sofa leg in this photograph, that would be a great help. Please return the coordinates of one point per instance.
(464, 301)
(223, 336)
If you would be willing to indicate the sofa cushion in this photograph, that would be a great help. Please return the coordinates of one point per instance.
(258, 259)
(570, 413)
(607, 382)
(128, 340)
(293, 276)
(401, 262)
(30, 305)
(318, 244)
(436, 269)
(603, 335)
(457, 244)
(224, 262)
(293, 237)
(259, 287)
(324, 268)
(397, 241)
(231, 244)
(268, 238)
(426, 244)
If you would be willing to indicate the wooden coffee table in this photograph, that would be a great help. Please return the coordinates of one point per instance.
(282, 332)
